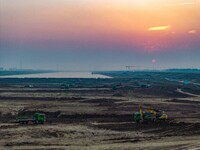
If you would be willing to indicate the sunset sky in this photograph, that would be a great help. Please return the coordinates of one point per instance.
(99, 34)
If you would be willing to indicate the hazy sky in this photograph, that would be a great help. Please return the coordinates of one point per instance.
(99, 34)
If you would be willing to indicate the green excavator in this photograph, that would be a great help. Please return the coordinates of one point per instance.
(150, 115)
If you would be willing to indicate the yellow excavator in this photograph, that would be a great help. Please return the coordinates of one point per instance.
(151, 114)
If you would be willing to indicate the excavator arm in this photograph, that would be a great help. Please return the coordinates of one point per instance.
(141, 113)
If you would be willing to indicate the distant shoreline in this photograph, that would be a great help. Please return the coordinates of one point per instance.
(54, 74)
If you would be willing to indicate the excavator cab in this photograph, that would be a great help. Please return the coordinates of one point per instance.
(137, 117)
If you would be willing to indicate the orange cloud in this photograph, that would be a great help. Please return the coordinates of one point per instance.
(159, 28)
(179, 4)
(192, 32)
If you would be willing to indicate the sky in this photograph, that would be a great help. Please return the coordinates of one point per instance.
(100, 34)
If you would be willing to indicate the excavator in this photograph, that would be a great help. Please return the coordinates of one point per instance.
(150, 115)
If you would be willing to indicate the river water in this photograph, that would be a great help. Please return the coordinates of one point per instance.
(59, 75)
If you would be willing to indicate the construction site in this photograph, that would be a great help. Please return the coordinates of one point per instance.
(131, 110)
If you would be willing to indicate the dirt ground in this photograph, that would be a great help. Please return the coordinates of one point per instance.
(94, 117)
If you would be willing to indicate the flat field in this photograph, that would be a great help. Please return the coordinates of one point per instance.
(97, 114)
